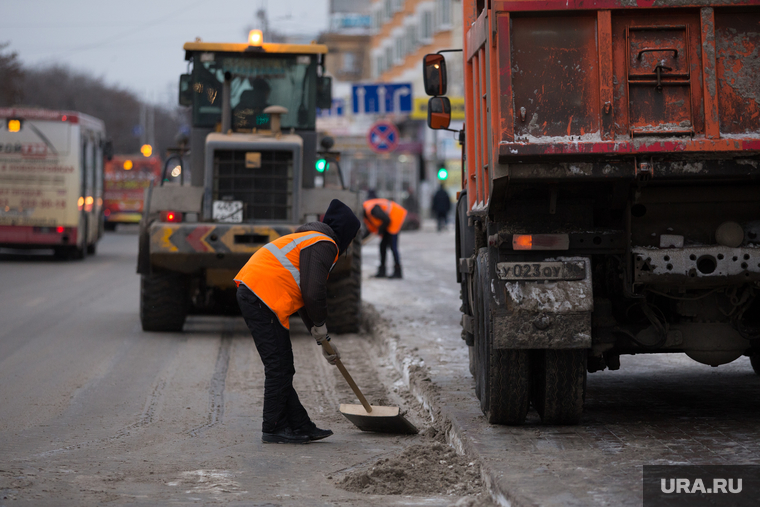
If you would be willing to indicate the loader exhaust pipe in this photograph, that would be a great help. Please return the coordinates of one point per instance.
(226, 109)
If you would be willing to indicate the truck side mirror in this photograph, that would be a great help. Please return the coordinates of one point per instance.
(324, 92)
(185, 90)
(439, 113)
(434, 74)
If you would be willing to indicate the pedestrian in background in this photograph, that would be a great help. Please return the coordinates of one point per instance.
(283, 277)
(441, 206)
(385, 218)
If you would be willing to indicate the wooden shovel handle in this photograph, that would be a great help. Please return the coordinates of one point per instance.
(347, 376)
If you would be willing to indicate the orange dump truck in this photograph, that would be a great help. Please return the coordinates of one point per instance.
(610, 198)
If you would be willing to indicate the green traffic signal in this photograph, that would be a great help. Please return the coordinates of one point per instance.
(443, 173)
(322, 165)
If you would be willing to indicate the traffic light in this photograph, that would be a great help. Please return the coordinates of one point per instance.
(443, 173)
(146, 150)
(322, 165)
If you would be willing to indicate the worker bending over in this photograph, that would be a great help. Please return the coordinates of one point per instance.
(385, 217)
(283, 277)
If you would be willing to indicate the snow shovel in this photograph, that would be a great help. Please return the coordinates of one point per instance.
(368, 417)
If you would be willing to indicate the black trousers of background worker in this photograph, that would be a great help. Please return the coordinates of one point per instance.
(282, 408)
(389, 241)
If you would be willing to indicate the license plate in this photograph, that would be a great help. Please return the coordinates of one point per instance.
(227, 211)
(549, 270)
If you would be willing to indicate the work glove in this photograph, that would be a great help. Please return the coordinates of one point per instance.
(331, 358)
(319, 332)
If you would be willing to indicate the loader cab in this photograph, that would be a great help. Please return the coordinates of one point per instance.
(254, 106)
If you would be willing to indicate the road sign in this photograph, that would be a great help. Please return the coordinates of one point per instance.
(382, 98)
(338, 109)
(383, 137)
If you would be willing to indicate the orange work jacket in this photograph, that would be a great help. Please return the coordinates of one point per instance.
(396, 212)
(273, 274)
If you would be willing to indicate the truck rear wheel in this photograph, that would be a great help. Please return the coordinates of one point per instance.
(163, 301)
(503, 376)
(559, 385)
(344, 292)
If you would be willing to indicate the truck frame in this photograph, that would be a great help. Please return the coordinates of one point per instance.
(252, 150)
(610, 198)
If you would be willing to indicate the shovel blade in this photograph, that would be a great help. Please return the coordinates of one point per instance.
(380, 420)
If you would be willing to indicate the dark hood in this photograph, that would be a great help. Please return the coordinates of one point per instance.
(342, 220)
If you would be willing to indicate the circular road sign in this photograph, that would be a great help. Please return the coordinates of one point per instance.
(383, 137)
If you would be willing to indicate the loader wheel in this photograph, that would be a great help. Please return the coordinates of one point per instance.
(163, 302)
(344, 292)
(559, 385)
(754, 360)
(504, 375)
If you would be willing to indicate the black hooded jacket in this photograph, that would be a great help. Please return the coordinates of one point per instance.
(341, 225)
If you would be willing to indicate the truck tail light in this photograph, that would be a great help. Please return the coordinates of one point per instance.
(171, 216)
(540, 241)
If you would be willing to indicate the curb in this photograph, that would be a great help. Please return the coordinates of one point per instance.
(415, 375)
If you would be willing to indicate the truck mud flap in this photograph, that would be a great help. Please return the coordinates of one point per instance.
(551, 310)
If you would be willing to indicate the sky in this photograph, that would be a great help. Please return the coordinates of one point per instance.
(137, 44)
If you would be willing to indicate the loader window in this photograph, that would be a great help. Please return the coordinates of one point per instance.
(258, 81)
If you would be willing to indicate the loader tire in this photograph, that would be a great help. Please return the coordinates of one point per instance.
(344, 293)
(559, 385)
(754, 360)
(504, 374)
(163, 302)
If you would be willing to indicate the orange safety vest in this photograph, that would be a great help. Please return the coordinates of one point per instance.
(273, 274)
(396, 212)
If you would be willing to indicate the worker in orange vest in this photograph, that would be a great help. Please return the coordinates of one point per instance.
(385, 217)
(286, 276)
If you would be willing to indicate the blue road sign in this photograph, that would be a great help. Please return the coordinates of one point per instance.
(382, 98)
(383, 137)
(338, 109)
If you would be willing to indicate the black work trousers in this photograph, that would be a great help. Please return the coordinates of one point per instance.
(389, 241)
(282, 408)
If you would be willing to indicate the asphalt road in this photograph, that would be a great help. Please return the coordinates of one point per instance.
(94, 411)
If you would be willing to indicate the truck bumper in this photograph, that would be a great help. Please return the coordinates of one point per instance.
(545, 314)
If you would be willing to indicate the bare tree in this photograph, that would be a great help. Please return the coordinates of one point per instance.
(58, 87)
(11, 77)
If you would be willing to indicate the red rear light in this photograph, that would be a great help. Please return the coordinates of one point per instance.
(540, 241)
(171, 216)
(59, 229)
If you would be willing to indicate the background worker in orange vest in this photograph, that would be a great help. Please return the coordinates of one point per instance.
(283, 277)
(385, 217)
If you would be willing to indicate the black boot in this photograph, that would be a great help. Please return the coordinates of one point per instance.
(285, 436)
(396, 272)
(381, 272)
(314, 433)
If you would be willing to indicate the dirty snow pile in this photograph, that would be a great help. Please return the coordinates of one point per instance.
(420, 469)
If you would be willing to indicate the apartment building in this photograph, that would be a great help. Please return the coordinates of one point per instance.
(403, 31)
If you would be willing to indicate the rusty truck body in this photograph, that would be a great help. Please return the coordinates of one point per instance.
(610, 198)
